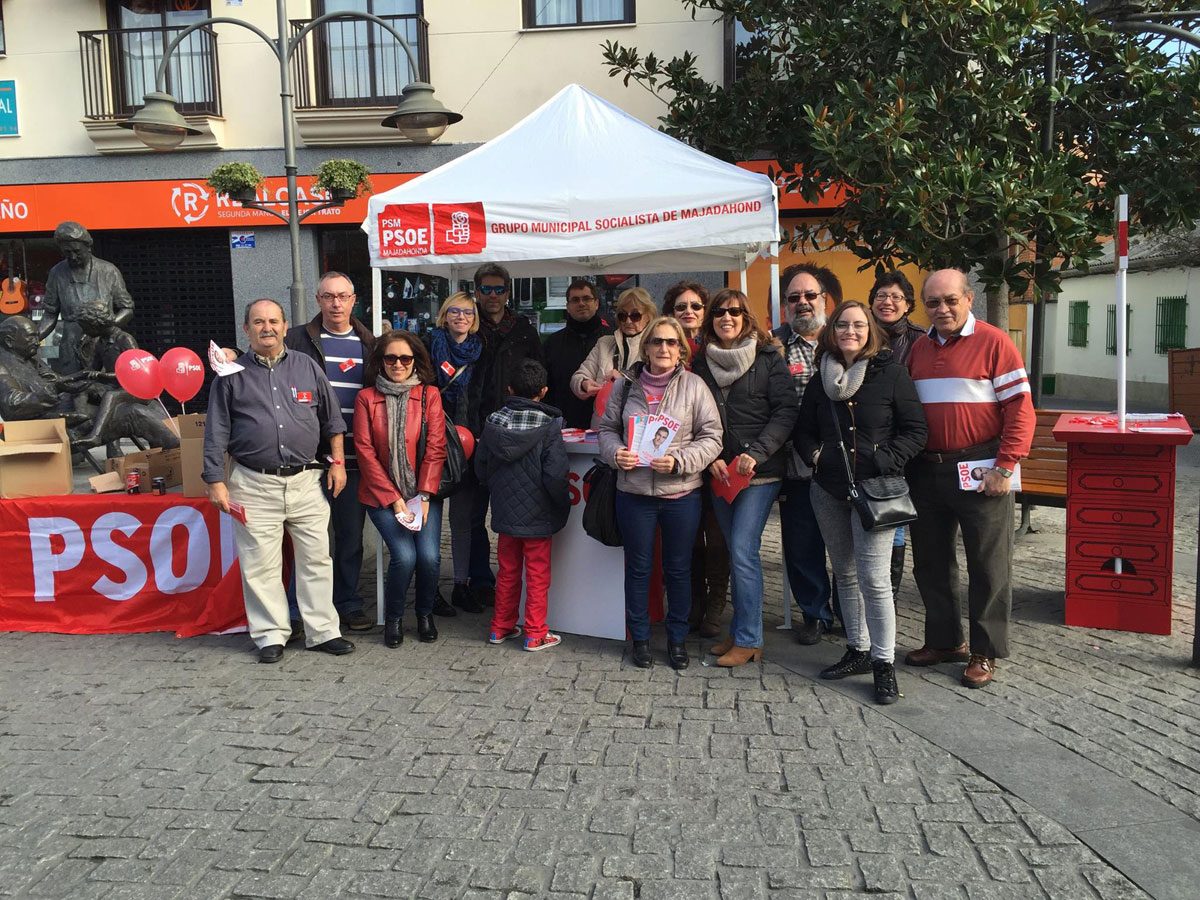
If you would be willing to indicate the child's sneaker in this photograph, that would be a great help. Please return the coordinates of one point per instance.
(543, 643)
(498, 638)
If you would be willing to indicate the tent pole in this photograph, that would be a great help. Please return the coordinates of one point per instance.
(743, 284)
(776, 319)
(376, 301)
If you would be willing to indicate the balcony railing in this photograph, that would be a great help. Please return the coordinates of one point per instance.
(119, 67)
(345, 63)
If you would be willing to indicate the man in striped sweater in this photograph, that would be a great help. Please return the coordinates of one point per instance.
(973, 385)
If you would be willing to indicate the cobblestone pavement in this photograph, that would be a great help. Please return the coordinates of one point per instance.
(144, 767)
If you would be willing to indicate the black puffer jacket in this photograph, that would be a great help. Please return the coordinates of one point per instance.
(565, 351)
(758, 412)
(882, 425)
(900, 337)
(522, 459)
(501, 355)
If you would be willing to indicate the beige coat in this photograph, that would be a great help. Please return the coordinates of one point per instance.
(600, 361)
(686, 399)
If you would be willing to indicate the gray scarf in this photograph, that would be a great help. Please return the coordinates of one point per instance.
(396, 393)
(839, 382)
(727, 366)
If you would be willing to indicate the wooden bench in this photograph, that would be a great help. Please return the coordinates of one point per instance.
(1044, 471)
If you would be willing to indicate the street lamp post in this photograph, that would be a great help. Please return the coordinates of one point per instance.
(419, 117)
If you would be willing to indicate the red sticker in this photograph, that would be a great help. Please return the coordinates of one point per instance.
(796, 368)
(346, 365)
(447, 368)
(304, 396)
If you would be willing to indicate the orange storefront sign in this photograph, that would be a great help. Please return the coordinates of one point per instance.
(100, 205)
(792, 201)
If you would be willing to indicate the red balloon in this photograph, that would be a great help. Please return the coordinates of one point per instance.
(182, 373)
(602, 397)
(138, 372)
(468, 439)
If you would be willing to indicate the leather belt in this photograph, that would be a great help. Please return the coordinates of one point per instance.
(979, 451)
(281, 471)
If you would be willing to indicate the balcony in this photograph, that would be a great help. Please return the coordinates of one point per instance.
(348, 75)
(119, 67)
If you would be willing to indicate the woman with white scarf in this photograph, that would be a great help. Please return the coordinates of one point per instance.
(744, 368)
(864, 398)
(396, 417)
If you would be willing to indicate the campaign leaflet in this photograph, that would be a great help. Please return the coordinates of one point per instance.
(650, 436)
(971, 472)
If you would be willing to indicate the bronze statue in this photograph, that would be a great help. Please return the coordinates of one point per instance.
(80, 279)
(28, 388)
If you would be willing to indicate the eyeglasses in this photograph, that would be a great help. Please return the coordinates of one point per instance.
(460, 313)
(934, 302)
(397, 359)
(810, 296)
(884, 295)
(684, 307)
(734, 311)
(329, 298)
(634, 316)
(490, 290)
(851, 326)
(581, 298)
(664, 342)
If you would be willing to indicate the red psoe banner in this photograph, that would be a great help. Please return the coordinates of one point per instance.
(117, 564)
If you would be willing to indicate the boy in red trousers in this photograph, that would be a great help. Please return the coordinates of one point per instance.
(522, 461)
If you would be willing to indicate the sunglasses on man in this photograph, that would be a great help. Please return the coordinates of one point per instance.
(492, 290)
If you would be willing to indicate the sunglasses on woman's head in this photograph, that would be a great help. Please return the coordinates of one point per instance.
(683, 307)
(397, 359)
(661, 341)
(634, 316)
(734, 311)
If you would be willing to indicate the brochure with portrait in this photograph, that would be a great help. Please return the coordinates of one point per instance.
(412, 519)
(971, 472)
(650, 436)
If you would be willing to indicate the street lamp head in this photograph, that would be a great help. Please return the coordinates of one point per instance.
(420, 117)
(158, 123)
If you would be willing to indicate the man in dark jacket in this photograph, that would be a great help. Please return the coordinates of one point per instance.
(338, 343)
(567, 349)
(523, 461)
(508, 340)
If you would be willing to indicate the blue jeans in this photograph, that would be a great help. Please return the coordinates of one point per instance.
(898, 540)
(742, 523)
(346, 516)
(804, 552)
(678, 520)
(410, 550)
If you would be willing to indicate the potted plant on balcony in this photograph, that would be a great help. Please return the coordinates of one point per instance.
(239, 180)
(344, 179)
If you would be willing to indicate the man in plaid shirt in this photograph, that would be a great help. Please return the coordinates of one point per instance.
(806, 289)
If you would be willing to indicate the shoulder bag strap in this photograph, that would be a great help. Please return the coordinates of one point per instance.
(837, 425)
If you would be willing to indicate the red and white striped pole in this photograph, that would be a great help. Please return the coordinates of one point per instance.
(1121, 261)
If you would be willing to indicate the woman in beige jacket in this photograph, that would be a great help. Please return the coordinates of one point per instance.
(665, 493)
(614, 353)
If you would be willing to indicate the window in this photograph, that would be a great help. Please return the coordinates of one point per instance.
(1110, 332)
(141, 30)
(1077, 323)
(1170, 331)
(358, 63)
(559, 13)
(3, 45)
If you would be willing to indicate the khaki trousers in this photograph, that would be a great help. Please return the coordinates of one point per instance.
(272, 503)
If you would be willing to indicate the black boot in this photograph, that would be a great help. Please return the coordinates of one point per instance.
(677, 655)
(641, 654)
(426, 630)
(853, 662)
(897, 569)
(393, 633)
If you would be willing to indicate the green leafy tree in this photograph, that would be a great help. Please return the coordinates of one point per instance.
(931, 116)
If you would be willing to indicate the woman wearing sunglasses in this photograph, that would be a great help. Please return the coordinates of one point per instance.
(455, 347)
(687, 302)
(744, 368)
(614, 353)
(862, 397)
(663, 495)
(398, 482)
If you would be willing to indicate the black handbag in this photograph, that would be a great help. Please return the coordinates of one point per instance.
(600, 508)
(882, 502)
(454, 469)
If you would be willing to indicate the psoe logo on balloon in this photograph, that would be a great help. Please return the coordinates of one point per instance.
(403, 230)
(458, 228)
(183, 367)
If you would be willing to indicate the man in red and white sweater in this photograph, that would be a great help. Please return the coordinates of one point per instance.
(973, 385)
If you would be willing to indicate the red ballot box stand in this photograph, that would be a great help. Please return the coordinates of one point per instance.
(1120, 520)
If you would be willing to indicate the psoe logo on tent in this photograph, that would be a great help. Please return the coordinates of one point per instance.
(404, 230)
(458, 228)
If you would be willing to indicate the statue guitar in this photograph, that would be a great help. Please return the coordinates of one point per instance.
(14, 299)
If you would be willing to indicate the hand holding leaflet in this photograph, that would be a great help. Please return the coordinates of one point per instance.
(729, 487)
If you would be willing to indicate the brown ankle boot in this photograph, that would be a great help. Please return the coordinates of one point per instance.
(722, 648)
(739, 656)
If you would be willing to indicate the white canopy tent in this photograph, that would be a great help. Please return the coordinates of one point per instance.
(576, 187)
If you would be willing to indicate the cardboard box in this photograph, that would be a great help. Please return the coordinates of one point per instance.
(191, 453)
(108, 483)
(35, 459)
(160, 463)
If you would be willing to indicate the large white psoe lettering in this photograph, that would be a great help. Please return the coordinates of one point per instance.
(121, 557)
(45, 561)
(162, 552)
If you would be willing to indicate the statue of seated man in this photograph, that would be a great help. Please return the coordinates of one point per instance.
(29, 389)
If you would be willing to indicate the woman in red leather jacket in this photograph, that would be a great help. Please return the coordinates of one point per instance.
(398, 413)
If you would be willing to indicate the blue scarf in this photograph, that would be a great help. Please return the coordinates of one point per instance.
(444, 349)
